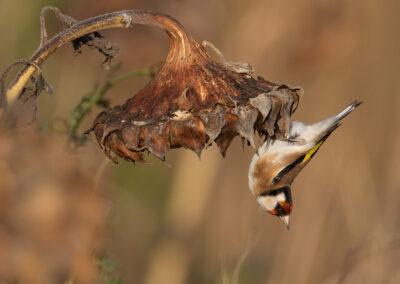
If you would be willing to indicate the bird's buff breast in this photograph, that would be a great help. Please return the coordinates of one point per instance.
(261, 174)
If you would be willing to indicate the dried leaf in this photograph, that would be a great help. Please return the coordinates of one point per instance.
(121, 150)
(288, 104)
(96, 41)
(263, 103)
(225, 139)
(227, 134)
(245, 125)
(273, 116)
(130, 135)
(189, 134)
(23, 111)
(213, 122)
(108, 129)
(156, 139)
(93, 40)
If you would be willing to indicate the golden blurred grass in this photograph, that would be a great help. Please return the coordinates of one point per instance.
(193, 222)
(52, 219)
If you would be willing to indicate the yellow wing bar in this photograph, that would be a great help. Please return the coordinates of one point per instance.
(312, 152)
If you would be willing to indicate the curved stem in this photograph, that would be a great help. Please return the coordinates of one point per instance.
(32, 64)
(179, 41)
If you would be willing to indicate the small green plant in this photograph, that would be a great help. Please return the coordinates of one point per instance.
(96, 97)
(107, 268)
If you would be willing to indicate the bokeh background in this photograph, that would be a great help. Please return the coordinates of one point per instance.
(68, 214)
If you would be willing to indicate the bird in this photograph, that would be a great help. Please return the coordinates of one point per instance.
(277, 162)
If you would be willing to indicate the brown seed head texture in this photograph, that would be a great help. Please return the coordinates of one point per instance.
(193, 101)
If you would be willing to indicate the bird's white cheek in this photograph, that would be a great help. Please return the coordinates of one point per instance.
(267, 202)
(280, 197)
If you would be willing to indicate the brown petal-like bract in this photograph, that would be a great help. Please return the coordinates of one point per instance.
(193, 101)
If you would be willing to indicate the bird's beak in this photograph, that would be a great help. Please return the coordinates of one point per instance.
(285, 219)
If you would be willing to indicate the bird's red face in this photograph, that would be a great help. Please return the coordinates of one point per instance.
(282, 208)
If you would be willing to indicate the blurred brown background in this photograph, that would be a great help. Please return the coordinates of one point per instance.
(196, 222)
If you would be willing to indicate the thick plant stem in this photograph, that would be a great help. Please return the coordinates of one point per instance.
(121, 19)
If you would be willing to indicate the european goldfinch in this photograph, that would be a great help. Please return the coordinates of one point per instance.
(277, 162)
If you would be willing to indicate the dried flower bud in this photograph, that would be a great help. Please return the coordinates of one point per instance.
(192, 102)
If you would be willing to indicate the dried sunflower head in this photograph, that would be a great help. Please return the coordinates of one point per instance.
(193, 101)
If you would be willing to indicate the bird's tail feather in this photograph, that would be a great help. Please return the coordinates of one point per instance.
(348, 110)
(339, 118)
(320, 131)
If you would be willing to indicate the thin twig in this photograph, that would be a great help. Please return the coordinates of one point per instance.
(65, 20)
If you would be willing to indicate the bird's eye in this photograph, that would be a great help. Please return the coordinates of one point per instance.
(276, 179)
